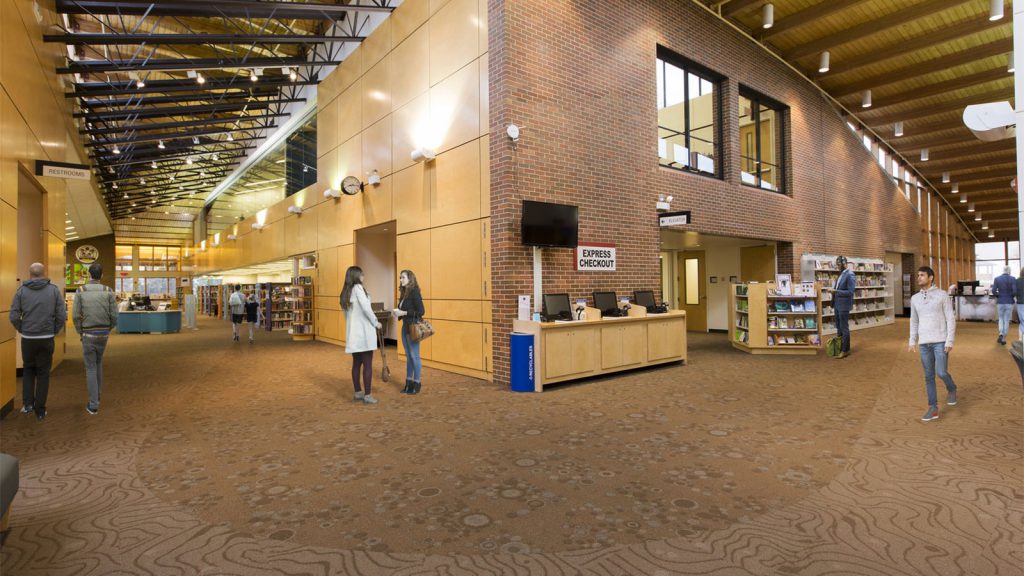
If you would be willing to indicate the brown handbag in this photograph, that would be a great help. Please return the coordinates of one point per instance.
(420, 330)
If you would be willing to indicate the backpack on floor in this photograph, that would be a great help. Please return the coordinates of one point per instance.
(834, 346)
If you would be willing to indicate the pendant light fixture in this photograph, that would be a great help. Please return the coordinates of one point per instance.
(956, 188)
(865, 99)
(898, 129)
(945, 177)
(924, 154)
(768, 15)
(823, 62)
(995, 11)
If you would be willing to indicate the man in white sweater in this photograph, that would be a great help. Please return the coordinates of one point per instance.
(932, 329)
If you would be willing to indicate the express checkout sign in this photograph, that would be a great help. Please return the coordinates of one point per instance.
(595, 257)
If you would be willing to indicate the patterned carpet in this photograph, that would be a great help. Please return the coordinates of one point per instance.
(209, 457)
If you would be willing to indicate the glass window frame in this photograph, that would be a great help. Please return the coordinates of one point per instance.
(666, 57)
(757, 100)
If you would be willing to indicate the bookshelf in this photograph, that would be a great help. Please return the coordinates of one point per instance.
(209, 300)
(764, 322)
(276, 310)
(874, 300)
(300, 302)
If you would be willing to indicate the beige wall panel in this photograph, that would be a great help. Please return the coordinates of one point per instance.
(459, 343)
(488, 349)
(337, 220)
(436, 5)
(412, 198)
(349, 71)
(410, 68)
(377, 149)
(377, 203)
(330, 324)
(455, 107)
(327, 272)
(485, 96)
(457, 310)
(8, 374)
(327, 122)
(350, 111)
(377, 45)
(346, 258)
(8, 256)
(328, 171)
(485, 252)
(327, 90)
(7, 331)
(414, 254)
(408, 17)
(411, 128)
(485, 176)
(486, 311)
(55, 204)
(272, 241)
(376, 86)
(300, 233)
(482, 25)
(350, 159)
(455, 261)
(12, 145)
(454, 38)
(328, 302)
(54, 258)
(456, 197)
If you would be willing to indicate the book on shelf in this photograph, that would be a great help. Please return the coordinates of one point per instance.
(771, 340)
(741, 289)
(798, 323)
(810, 323)
(784, 322)
(782, 306)
(810, 306)
(797, 306)
(773, 321)
(814, 340)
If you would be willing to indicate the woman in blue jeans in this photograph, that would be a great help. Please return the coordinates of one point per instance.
(410, 310)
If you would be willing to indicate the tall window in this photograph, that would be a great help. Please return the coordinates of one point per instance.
(992, 257)
(688, 116)
(762, 161)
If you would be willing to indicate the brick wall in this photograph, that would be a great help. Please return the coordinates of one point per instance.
(579, 77)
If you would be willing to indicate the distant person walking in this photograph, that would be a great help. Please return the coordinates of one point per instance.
(361, 327)
(252, 315)
(932, 330)
(94, 314)
(1020, 305)
(410, 310)
(237, 305)
(38, 313)
(842, 303)
(1004, 288)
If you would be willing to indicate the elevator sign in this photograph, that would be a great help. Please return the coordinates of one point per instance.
(595, 257)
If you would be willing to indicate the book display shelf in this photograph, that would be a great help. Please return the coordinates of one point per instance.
(300, 302)
(276, 310)
(209, 300)
(873, 302)
(765, 322)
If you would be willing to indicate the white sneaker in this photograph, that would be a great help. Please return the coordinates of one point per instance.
(358, 397)
(369, 399)
(26, 408)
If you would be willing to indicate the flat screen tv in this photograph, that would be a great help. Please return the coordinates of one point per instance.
(550, 225)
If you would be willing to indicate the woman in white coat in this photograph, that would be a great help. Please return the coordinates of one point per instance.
(360, 332)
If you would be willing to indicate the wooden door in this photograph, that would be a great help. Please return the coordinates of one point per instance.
(757, 263)
(690, 289)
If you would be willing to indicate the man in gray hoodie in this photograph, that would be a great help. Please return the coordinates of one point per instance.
(95, 316)
(932, 330)
(38, 313)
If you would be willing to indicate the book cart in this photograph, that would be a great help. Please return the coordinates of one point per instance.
(873, 301)
(762, 321)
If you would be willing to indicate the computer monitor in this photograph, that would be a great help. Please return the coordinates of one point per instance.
(556, 306)
(605, 301)
(644, 298)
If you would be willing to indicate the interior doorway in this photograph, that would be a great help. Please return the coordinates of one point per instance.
(31, 245)
(718, 261)
(377, 255)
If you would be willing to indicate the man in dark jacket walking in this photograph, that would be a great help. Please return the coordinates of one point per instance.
(95, 316)
(38, 313)
(1004, 288)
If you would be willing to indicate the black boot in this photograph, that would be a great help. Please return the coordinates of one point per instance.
(408, 387)
(415, 388)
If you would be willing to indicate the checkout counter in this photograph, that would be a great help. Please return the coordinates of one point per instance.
(595, 344)
(141, 318)
(972, 302)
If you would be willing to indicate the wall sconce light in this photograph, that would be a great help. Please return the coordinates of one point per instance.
(332, 193)
(294, 210)
(232, 237)
(373, 178)
(423, 155)
(257, 226)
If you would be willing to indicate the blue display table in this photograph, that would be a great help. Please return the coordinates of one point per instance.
(149, 322)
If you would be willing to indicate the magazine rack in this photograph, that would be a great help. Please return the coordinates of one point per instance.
(762, 321)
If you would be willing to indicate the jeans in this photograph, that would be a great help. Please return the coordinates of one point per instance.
(92, 351)
(1020, 320)
(934, 360)
(36, 358)
(413, 364)
(1005, 313)
(843, 328)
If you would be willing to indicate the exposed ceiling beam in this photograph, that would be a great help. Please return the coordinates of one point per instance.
(872, 27)
(905, 47)
(166, 111)
(118, 39)
(938, 107)
(129, 156)
(233, 152)
(910, 144)
(92, 89)
(185, 64)
(965, 150)
(987, 175)
(188, 175)
(787, 22)
(839, 89)
(734, 6)
(129, 128)
(149, 100)
(169, 136)
(217, 9)
(942, 88)
(960, 161)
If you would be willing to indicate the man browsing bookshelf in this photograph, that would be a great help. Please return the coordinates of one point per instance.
(932, 329)
(842, 303)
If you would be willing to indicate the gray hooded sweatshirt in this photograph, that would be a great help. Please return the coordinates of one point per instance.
(38, 309)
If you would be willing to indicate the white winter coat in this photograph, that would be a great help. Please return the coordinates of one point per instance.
(360, 323)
